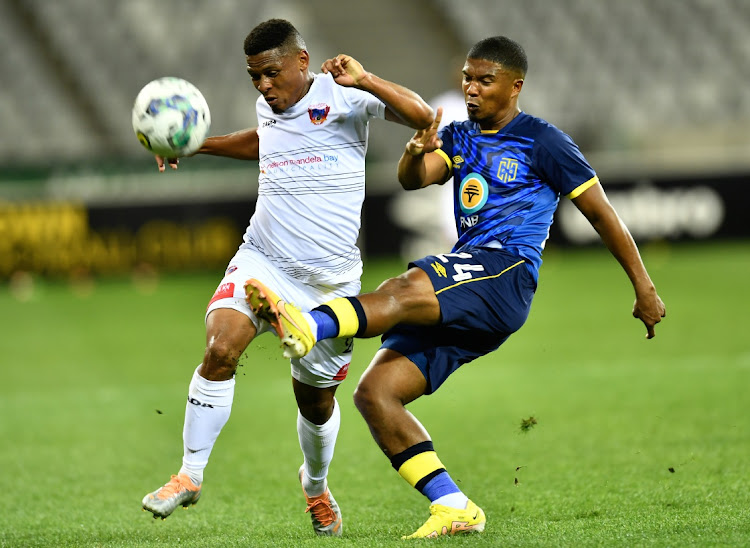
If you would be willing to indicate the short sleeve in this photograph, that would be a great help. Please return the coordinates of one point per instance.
(366, 103)
(560, 162)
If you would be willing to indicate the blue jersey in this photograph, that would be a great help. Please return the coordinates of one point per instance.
(507, 183)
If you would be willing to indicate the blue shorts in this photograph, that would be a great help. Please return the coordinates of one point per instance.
(484, 294)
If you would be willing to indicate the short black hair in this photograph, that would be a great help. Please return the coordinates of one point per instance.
(272, 34)
(501, 50)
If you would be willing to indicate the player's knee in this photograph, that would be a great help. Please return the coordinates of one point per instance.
(361, 399)
(399, 298)
(315, 404)
(368, 398)
(317, 412)
(398, 287)
(412, 288)
(220, 360)
(411, 298)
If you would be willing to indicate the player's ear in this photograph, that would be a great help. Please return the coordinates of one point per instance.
(303, 59)
(517, 85)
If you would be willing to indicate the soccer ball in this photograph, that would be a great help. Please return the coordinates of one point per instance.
(171, 117)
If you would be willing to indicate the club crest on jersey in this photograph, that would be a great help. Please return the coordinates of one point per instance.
(473, 193)
(508, 170)
(318, 113)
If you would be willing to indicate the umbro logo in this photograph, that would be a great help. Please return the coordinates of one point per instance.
(439, 269)
(268, 123)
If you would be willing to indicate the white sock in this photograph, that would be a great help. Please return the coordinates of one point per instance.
(317, 443)
(454, 500)
(206, 412)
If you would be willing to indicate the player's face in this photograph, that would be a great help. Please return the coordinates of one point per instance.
(490, 91)
(281, 77)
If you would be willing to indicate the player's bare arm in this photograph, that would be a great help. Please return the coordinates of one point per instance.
(595, 206)
(240, 145)
(419, 166)
(403, 105)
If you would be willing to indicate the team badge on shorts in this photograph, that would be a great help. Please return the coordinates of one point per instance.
(318, 113)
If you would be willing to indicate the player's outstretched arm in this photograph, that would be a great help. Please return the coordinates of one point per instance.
(241, 145)
(417, 168)
(595, 206)
(403, 105)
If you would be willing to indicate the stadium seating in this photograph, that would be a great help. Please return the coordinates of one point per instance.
(616, 75)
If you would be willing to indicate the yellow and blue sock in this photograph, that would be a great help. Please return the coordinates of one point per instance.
(420, 466)
(342, 317)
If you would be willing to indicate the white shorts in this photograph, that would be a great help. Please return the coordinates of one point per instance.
(328, 362)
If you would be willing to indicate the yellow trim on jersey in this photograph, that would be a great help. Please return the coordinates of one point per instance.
(489, 130)
(347, 316)
(445, 157)
(419, 466)
(585, 186)
(479, 279)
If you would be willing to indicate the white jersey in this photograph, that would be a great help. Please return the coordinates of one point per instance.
(312, 182)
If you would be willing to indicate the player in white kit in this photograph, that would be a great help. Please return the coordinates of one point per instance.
(310, 141)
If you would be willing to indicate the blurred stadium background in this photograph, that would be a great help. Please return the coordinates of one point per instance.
(654, 91)
(639, 443)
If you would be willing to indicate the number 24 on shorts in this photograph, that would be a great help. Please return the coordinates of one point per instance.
(463, 271)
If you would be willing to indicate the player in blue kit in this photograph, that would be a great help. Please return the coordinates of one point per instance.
(509, 170)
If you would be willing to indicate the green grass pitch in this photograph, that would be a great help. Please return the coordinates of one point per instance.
(636, 442)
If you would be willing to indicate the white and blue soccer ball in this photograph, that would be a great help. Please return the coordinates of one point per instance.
(171, 117)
